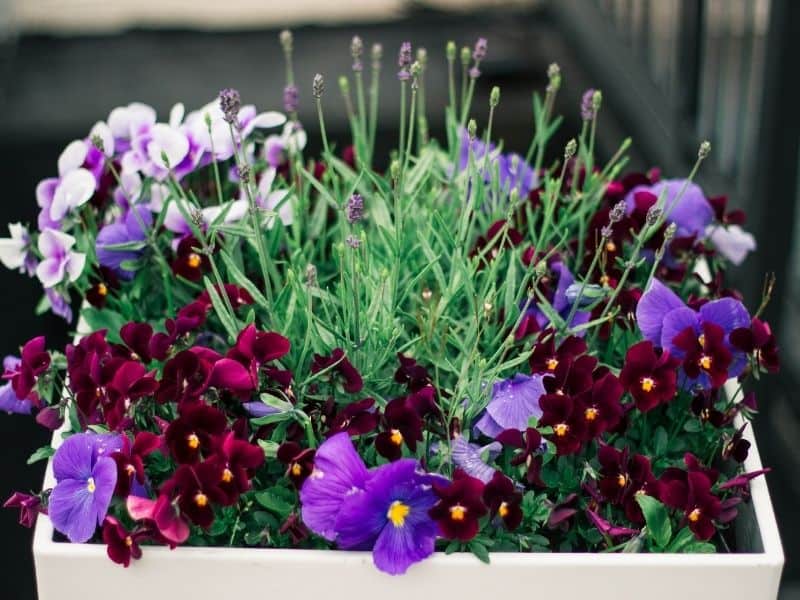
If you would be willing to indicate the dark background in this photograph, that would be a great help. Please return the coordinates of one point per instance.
(672, 73)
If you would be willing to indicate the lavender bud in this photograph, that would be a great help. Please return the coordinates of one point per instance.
(318, 86)
(311, 276)
(355, 209)
(670, 232)
(553, 71)
(494, 97)
(404, 61)
(472, 129)
(465, 55)
(377, 55)
(617, 212)
(244, 173)
(597, 100)
(230, 102)
(394, 170)
(344, 85)
(570, 149)
(415, 69)
(422, 57)
(427, 294)
(197, 217)
(653, 215)
(606, 232)
(290, 98)
(554, 78)
(705, 148)
(97, 142)
(450, 50)
(587, 105)
(353, 242)
(474, 73)
(479, 53)
(356, 50)
(287, 41)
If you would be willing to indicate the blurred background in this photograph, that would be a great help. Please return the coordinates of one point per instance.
(672, 72)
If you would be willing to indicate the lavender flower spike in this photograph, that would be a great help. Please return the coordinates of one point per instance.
(230, 102)
(587, 105)
(355, 209)
(290, 98)
(404, 61)
(479, 53)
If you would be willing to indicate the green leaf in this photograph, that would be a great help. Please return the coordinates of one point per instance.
(700, 548)
(657, 518)
(692, 426)
(228, 320)
(660, 441)
(479, 550)
(681, 541)
(42, 453)
(271, 501)
(104, 319)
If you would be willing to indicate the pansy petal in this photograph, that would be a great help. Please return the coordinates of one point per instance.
(10, 403)
(676, 321)
(105, 480)
(728, 313)
(267, 120)
(516, 400)
(653, 306)
(72, 157)
(73, 459)
(74, 190)
(51, 271)
(169, 142)
(77, 260)
(12, 253)
(71, 509)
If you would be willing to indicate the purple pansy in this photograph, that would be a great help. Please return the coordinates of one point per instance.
(86, 476)
(691, 214)
(470, 458)
(9, 401)
(662, 316)
(514, 172)
(390, 516)
(131, 228)
(514, 401)
(338, 473)
(561, 300)
(59, 260)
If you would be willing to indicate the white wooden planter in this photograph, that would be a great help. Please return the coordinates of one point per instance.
(67, 571)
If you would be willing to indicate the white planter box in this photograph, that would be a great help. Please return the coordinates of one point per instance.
(67, 571)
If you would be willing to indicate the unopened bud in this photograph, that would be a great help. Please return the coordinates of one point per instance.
(570, 149)
(597, 100)
(427, 294)
(616, 214)
(670, 232)
(472, 129)
(311, 275)
(287, 41)
(494, 97)
(97, 142)
(344, 85)
(450, 50)
(394, 170)
(705, 148)
(318, 87)
(653, 216)
(466, 55)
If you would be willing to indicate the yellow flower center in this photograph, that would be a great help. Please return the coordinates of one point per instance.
(561, 429)
(297, 470)
(605, 280)
(695, 515)
(458, 512)
(193, 260)
(648, 384)
(193, 441)
(227, 476)
(396, 437)
(591, 413)
(90, 485)
(701, 339)
(551, 364)
(102, 290)
(129, 541)
(130, 470)
(611, 246)
(201, 499)
(622, 479)
(397, 513)
(705, 362)
(503, 510)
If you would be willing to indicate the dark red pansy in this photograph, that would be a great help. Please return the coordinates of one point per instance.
(503, 500)
(411, 374)
(186, 376)
(459, 508)
(403, 425)
(706, 353)
(299, 461)
(623, 478)
(736, 447)
(571, 376)
(101, 286)
(237, 296)
(649, 375)
(29, 507)
(545, 357)
(562, 511)
(34, 361)
(130, 460)
(294, 527)
(530, 444)
(238, 461)
(191, 434)
(758, 340)
(704, 406)
(339, 365)
(121, 545)
(195, 488)
(567, 419)
(189, 262)
(499, 235)
(356, 418)
(601, 406)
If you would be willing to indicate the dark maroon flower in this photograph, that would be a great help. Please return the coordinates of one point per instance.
(743, 480)
(566, 417)
(607, 529)
(50, 417)
(238, 296)
(230, 375)
(256, 349)
(499, 236)
(649, 375)
(356, 418)
(130, 382)
(758, 340)
(545, 358)
(294, 526)
(169, 526)
(705, 354)
(623, 477)
(186, 376)
(238, 461)
(190, 263)
(122, 546)
(411, 374)
(601, 408)
(299, 461)
(720, 205)
(101, 286)
(191, 434)
(29, 507)
(736, 447)
(130, 460)
(503, 500)
(34, 361)
(692, 494)
(403, 425)
(561, 512)
(188, 318)
(338, 363)
(530, 443)
(136, 337)
(704, 406)
(460, 507)
(571, 376)
(196, 489)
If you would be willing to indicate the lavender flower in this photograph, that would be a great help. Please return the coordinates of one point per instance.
(404, 61)
(318, 86)
(230, 102)
(479, 53)
(514, 401)
(356, 51)
(353, 242)
(59, 304)
(86, 476)
(355, 209)
(128, 230)
(59, 260)
(588, 112)
(290, 98)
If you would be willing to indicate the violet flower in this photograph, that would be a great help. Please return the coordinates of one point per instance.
(561, 299)
(390, 516)
(15, 252)
(86, 476)
(691, 214)
(59, 260)
(469, 458)
(514, 401)
(59, 304)
(131, 228)
(732, 242)
(29, 507)
(513, 171)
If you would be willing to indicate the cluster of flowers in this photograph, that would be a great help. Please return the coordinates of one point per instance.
(588, 412)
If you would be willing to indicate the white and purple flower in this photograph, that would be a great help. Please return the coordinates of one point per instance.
(15, 252)
(59, 260)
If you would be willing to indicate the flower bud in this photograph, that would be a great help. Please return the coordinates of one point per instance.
(472, 129)
(344, 85)
(465, 56)
(450, 50)
(318, 87)
(570, 149)
(705, 148)
(494, 97)
(653, 216)
(287, 41)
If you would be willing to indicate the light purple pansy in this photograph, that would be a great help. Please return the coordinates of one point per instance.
(59, 260)
(124, 120)
(514, 401)
(514, 172)
(691, 214)
(732, 242)
(338, 473)
(662, 315)
(59, 304)
(15, 252)
(470, 458)
(174, 220)
(390, 516)
(131, 228)
(86, 476)
(9, 401)
(561, 302)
